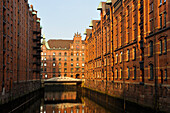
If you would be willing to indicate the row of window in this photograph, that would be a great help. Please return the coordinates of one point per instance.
(65, 54)
(127, 55)
(65, 75)
(160, 47)
(65, 64)
(59, 70)
(65, 59)
(151, 73)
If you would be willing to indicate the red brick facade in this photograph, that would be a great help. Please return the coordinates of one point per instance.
(63, 58)
(127, 51)
(20, 36)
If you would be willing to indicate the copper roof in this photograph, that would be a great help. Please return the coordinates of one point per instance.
(60, 43)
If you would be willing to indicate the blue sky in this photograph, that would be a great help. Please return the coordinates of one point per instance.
(60, 19)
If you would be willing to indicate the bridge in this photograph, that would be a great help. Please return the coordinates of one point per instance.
(62, 80)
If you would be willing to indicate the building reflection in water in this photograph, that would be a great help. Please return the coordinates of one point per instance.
(68, 102)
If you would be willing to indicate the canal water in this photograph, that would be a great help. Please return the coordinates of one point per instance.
(70, 99)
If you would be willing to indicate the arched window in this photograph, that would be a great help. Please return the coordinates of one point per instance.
(116, 57)
(151, 71)
(59, 54)
(53, 53)
(128, 73)
(134, 72)
(121, 56)
(160, 46)
(134, 53)
(128, 54)
(65, 54)
(77, 54)
(59, 64)
(151, 48)
(71, 53)
(53, 63)
(65, 64)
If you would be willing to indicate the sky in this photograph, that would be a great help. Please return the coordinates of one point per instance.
(60, 19)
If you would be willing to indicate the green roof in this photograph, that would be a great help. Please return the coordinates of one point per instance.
(34, 13)
(100, 6)
(41, 27)
(109, 2)
(91, 24)
(38, 21)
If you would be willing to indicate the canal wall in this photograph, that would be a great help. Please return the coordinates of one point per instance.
(19, 90)
(143, 95)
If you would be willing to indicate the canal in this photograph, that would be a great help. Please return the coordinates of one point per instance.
(71, 99)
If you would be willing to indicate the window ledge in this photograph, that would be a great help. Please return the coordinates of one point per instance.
(127, 79)
(165, 79)
(134, 79)
(165, 53)
(134, 59)
(150, 79)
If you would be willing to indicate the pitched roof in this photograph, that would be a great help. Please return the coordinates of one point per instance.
(60, 43)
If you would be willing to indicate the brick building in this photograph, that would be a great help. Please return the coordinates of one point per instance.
(127, 51)
(63, 58)
(20, 57)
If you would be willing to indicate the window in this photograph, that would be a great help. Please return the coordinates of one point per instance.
(77, 54)
(71, 59)
(128, 71)
(59, 70)
(54, 69)
(59, 59)
(45, 54)
(45, 64)
(53, 75)
(53, 64)
(128, 55)
(59, 64)
(65, 64)
(65, 69)
(71, 53)
(116, 73)
(121, 73)
(160, 20)
(53, 59)
(82, 54)
(82, 47)
(59, 54)
(71, 69)
(44, 58)
(82, 69)
(77, 59)
(165, 45)
(77, 64)
(41, 64)
(71, 75)
(82, 59)
(134, 53)
(164, 19)
(116, 57)
(164, 0)
(65, 54)
(46, 75)
(166, 75)
(160, 2)
(65, 59)
(41, 69)
(83, 64)
(53, 53)
(121, 56)
(45, 69)
(151, 7)
(134, 72)
(65, 75)
(151, 48)
(82, 75)
(71, 64)
(160, 46)
(151, 71)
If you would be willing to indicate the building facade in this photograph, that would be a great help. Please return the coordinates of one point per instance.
(20, 53)
(127, 51)
(63, 58)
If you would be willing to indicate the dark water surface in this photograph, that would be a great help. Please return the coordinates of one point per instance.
(70, 99)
